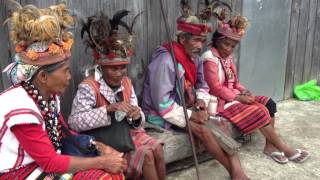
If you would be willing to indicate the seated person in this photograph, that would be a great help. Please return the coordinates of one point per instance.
(237, 104)
(101, 99)
(161, 98)
(30, 133)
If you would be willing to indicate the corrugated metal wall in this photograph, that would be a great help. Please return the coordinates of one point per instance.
(264, 47)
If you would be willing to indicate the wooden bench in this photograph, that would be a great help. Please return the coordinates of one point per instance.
(177, 145)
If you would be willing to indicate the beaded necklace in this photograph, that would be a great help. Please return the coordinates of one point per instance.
(49, 112)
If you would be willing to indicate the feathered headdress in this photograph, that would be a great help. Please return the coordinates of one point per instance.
(41, 36)
(110, 46)
(233, 29)
(197, 24)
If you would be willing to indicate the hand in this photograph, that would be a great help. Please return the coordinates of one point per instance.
(106, 150)
(113, 164)
(245, 99)
(134, 113)
(112, 160)
(246, 92)
(119, 106)
(200, 105)
(200, 117)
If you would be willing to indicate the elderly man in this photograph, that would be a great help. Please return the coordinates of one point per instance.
(161, 98)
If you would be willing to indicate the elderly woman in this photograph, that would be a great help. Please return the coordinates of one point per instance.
(106, 100)
(30, 135)
(237, 104)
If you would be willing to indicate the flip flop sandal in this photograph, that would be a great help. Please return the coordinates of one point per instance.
(275, 156)
(296, 157)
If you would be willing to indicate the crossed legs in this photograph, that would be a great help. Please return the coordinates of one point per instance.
(274, 141)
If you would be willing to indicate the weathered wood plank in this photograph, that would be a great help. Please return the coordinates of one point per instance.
(315, 67)
(310, 39)
(177, 145)
(1, 83)
(295, 11)
(301, 42)
(4, 45)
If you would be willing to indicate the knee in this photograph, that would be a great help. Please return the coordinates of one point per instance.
(272, 107)
(205, 132)
(148, 158)
(158, 153)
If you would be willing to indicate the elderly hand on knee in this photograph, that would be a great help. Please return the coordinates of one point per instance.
(246, 92)
(200, 105)
(106, 150)
(112, 161)
(245, 99)
(200, 117)
(113, 164)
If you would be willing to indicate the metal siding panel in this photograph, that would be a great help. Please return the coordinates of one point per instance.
(4, 45)
(264, 47)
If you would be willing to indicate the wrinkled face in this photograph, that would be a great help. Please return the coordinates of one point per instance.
(114, 74)
(192, 45)
(58, 80)
(225, 46)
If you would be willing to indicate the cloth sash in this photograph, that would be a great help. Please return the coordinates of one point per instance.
(184, 60)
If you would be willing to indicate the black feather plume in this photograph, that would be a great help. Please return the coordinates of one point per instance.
(125, 25)
(98, 28)
(184, 3)
(134, 21)
(207, 2)
(84, 28)
(115, 21)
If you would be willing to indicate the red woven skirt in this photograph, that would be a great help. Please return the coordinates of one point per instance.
(248, 118)
(24, 172)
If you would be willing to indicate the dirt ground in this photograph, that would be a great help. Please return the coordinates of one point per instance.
(298, 123)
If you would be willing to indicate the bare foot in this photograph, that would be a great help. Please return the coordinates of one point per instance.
(300, 156)
(270, 148)
(240, 177)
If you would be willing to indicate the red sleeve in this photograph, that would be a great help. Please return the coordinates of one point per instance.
(35, 141)
(212, 77)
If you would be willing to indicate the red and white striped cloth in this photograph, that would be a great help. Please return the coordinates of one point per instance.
(248, 117)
